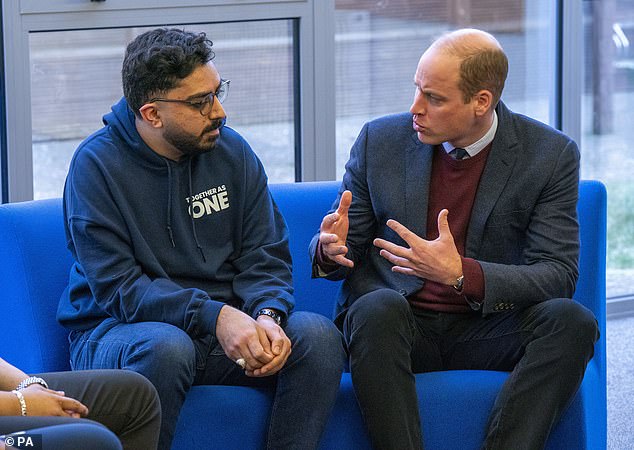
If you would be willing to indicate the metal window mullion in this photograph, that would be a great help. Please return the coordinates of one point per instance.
(570, 68)
(320, 158)
(19, 157)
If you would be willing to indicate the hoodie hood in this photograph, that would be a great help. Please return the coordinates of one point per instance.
(121, 120)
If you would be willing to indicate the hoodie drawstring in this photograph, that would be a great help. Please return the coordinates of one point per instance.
(169, 203)
(191, 216)
(169, 208)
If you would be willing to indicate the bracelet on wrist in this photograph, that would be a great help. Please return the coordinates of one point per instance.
(20, 397)
(29, 381)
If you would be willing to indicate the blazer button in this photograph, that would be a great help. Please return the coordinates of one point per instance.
(403, 292)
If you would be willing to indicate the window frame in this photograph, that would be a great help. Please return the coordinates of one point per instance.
(314, 41)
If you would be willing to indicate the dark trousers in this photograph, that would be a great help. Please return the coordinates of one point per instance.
(121, 400)
(546, 347)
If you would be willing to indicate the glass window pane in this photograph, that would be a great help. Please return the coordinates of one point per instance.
(76, 77)
(378, 45)
(607, 131)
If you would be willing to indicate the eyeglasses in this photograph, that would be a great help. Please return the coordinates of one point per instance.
(205, 104)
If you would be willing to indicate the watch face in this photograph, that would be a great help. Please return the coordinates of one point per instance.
(459, 284)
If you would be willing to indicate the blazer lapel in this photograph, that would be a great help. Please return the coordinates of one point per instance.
(499, 165)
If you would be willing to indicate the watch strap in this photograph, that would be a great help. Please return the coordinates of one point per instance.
(271, 313)
(29, 381)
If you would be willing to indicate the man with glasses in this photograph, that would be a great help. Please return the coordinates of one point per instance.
(182, 269)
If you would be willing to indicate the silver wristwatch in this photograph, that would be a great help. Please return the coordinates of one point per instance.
(29, 381)
(272, 314)
(458, 285)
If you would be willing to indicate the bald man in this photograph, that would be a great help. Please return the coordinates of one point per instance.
(455, 231)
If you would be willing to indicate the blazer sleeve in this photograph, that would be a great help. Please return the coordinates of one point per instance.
(363, 222)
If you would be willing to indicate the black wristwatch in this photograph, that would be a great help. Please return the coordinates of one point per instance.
(271, 313)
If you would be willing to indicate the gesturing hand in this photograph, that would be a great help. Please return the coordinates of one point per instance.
(333, 232)
(436, 260)
(46, 402)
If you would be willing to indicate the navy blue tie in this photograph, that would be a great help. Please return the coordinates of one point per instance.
(459, 153)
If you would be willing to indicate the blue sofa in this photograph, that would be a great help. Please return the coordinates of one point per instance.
(34, 266)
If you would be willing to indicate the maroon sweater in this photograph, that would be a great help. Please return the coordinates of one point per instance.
(453, 187)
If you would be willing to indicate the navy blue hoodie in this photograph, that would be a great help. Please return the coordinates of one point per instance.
(158, 240)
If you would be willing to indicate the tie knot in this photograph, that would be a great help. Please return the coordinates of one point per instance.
(459, 153)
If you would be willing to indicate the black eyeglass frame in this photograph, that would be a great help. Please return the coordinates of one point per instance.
(221, 93)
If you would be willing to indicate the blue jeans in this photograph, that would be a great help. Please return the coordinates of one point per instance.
(546, 347)
(305, 388)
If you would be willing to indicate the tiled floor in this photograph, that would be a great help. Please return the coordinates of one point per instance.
(620, 344)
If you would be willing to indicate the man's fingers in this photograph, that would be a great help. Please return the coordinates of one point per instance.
(329, 221)
(276, 337)
(342, 260)
(278, 342)
(391, 247)
(266, 370)
(396, 260)
(336, 253)
(404, 270)
(256, 356)
(276, 364)
(443, 223)
(344, 203)
(270, 368)
(72, 405)
(334, 230)
(402, 231)
(334, 250)
(264, 340)
(328, 238)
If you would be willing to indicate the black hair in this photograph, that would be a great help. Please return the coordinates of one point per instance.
(157, 60)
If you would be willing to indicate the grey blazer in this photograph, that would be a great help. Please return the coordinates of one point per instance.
(523, 228)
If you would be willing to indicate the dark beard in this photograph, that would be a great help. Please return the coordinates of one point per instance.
(191, 145)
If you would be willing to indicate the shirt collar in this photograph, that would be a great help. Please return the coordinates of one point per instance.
(481, 143)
